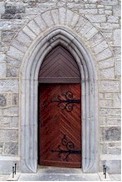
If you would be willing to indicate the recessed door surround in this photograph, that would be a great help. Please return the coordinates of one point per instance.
(33, 61)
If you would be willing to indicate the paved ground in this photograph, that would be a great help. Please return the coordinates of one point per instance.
(58, 174)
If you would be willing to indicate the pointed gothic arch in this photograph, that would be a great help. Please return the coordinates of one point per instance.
(28, 98)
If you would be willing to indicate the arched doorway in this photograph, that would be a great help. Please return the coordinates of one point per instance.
(59, 127)
(29, 98)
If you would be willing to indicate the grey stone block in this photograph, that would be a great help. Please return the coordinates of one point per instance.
(8, 135)
(2, 100)
(10, 148)
(6, 36)
(1, 147)
(8, 85)
(11, 111)
(14, 122)
(111, 134)
(12, 71)
(116, 37)
(5, 122)
(15, 99)
(6, 164)
(113, 166)
(117, 10)
(13, 11)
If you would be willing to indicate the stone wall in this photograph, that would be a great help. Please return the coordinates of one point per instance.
(104, 15)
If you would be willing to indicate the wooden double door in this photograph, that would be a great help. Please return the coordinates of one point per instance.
(59, 132)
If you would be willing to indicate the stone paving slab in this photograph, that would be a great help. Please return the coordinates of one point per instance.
(3, 177)
(59, 177)
(115, 177)
(60, 174)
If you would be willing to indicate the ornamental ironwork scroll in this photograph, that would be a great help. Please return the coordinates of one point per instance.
(67, 102)
(69, 149)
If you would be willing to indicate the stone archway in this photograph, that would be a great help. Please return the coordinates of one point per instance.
(29, 97)
(28, 48)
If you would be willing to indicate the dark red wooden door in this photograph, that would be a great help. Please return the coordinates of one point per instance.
(60, 125)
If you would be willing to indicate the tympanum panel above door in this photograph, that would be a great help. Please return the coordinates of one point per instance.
(59, 66)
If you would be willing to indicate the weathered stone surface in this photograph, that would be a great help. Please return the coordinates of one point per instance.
(86, 28)
(74, 20)
(24, 38)
(15, 99)
(107, 73)
(6, 36)
(69, 16)
(5, 122)
(2, 57)
(88, 11)
(16, 24)
(116, 37)
(11, 111)
(108, 12)
(107, 121)
(81, 22)
(111, 148)
(12, 71)
(29, 32)
(62, 15)
(96, 39)
(12, 62)
(103, 148)
(117, 100)
(8, 85)
(11, 16)
(11, 148)
(113, 165)
(8, 135)
(1, 112)
(117, 10)
(55, 16)
(41, 22)
(91, 33)
(109, 26)
(14, 122)
(117, 54)
(108, 7)
(96, 18)
(2, 100)
(34, 27)
(111, 134)
(113, 19)
(107, 36)
(2, 70)
(110, 112)
(105, 54)
(100, 47)
(106, 103)
(15, 53)
(2, 7)
(109, 86)
(106, 63)
(108, 95)
(47, 18)
(90, 6)
(101, 11)
(1, 147)
(109, 2)
(13, 12)
(19, 45)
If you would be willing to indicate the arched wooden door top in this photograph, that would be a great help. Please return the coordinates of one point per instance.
(59, 66)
